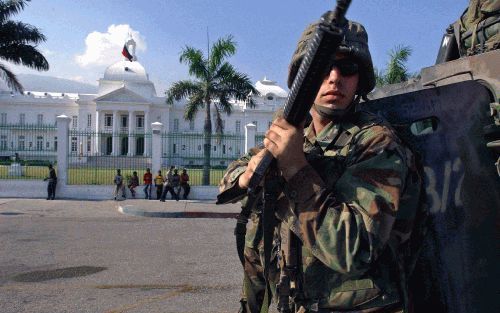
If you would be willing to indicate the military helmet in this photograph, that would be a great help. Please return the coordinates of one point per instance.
(355, 44)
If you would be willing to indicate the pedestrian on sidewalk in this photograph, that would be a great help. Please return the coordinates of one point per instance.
(159, 185)
(148, 183)
(52, 183)
(185, 184)
(176, 184)
(119, 187)
(133, 183)
(167, 185)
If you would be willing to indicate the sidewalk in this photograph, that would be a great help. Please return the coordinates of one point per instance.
(104, 208)
(178, 209)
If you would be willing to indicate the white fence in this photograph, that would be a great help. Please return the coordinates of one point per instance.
(38, 189)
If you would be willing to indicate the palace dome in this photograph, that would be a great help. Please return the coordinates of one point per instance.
(268, 87)
(130, 75)
(126, 71)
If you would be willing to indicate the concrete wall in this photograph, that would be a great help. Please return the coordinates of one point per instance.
(13, 188)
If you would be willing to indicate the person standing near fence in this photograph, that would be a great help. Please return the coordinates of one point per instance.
(184, 184)
(176, 184)
(159, 185)
(148, 183)
(167, 185)
(118, 181)
(133, 183)
(52, 183)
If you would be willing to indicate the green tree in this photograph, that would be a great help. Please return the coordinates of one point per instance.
(18, 43)
(396, 71)
(216, 82)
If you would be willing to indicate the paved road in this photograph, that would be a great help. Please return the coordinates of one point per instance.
(86, 256)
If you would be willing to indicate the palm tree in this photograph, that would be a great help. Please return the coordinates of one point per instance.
(396, 71)
(18, 43)
(216, 82)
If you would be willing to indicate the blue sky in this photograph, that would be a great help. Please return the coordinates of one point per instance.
(83, 37)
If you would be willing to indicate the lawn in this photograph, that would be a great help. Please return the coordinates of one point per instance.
(103, 176)
(30, 172)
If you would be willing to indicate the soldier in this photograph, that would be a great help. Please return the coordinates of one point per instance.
(350, 193)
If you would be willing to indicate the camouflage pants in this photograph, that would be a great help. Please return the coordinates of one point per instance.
(254, 284)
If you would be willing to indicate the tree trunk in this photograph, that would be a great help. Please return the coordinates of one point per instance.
(207, 136)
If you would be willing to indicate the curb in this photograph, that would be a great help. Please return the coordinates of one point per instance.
(129, 210)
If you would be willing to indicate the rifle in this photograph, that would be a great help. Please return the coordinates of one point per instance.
(313, 68)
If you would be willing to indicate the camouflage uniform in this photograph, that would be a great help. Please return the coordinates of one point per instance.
(477, 30)
(352, 207)
(346, 207)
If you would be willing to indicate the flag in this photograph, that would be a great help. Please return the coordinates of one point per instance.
(126, 54)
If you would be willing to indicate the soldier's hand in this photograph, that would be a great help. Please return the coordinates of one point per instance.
(252, 165)
(285, 142)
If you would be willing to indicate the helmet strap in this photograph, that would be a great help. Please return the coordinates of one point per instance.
(335, 115)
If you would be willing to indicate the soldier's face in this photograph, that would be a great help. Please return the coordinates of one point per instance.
(339, 86)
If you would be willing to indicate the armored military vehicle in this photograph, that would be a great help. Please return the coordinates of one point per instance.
(451, 117)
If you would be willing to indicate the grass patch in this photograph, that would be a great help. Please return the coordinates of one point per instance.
(104, 176)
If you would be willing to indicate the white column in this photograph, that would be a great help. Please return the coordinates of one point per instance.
(156, 148)
(97, 142)
(131, 138)
(62, 149)
(147, 143)
(116, 138)
(250, 131)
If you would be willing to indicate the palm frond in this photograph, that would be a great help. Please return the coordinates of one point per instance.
(400, 54)
(396, 68)
(236, 85)
(13, 32)
(223, 104)
(222, 49)
(194, 104)
(225, 71)
(195, 61)
(24, 54)
(10, 8)
(182, 89)
(10, 79)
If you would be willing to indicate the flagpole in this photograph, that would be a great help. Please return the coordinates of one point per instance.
(208, 45)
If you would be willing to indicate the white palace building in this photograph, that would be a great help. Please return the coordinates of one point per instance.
(126, 103)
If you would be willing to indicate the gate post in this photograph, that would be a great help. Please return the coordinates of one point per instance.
(62, 149)
(157, 148)
(250, 131)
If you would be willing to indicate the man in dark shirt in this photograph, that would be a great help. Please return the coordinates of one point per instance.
(52, 179)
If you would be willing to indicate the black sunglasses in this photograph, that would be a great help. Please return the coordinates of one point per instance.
(346, 67)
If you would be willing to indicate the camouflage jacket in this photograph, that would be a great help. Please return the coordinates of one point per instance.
(357, 197)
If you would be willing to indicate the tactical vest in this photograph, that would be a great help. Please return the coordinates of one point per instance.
(477, 30)
(381, 286)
